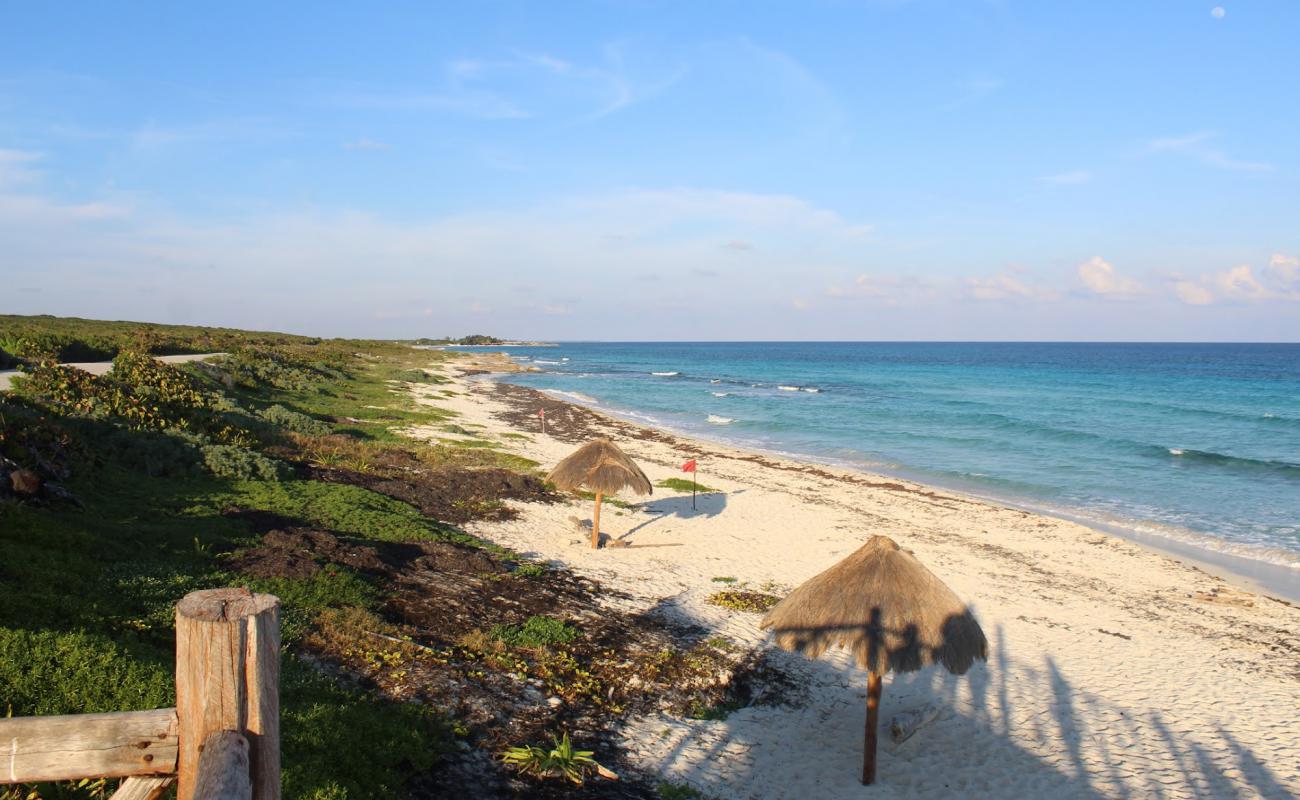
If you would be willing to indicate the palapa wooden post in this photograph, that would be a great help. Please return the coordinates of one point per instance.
(874, 681)
(595, 524)
(228, 679)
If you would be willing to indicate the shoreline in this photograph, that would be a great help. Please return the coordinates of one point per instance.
(1252, 574)
(1103, 653)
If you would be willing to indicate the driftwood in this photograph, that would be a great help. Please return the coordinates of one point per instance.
(72, 747)
(906, 723)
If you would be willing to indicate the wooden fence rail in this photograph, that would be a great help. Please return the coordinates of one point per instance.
(221, 742)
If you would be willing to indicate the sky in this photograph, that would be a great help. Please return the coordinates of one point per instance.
(636, 170)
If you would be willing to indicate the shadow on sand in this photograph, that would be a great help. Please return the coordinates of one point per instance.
(706, 505)
(994, 737)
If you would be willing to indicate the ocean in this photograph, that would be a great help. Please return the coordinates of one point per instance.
(1193, 445)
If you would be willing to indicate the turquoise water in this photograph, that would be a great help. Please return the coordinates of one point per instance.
(1198, 443)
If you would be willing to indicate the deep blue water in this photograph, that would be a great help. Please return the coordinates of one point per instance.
(1196, 442)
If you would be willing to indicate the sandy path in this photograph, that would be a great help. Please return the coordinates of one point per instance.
(102, 367)
(1114, 671)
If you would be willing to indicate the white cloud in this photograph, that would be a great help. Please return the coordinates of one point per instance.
(1284, 270)
(1278, 281)
(1218, 12)
(1193, 294)
(1240, 283)
(1099, 277)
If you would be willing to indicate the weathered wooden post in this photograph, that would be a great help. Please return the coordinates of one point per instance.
(224, 768)
(228, 679)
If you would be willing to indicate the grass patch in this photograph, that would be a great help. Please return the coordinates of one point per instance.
(536, 632)
(530, 570)
(741, 600)
(724, 579)
(677, 791)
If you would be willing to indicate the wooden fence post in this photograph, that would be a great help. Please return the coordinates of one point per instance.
(228, 679)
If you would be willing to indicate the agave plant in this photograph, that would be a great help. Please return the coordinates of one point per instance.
(561, 761)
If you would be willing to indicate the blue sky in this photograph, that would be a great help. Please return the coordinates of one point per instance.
(639, 170)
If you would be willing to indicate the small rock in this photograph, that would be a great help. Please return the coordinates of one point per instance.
(554, 702)
(25, 482)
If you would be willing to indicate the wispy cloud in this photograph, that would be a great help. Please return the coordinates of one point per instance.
(1071, 178)
(1006, 285)
(523, 85)
(1200, 147)
(973, 89)
(16, 167)
(154, 135)
(366, 144)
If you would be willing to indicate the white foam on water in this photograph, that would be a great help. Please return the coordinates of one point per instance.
(716, 420)
(666, 374)
(575, 396)
(788, 388)
(811, 389)
(720, 394)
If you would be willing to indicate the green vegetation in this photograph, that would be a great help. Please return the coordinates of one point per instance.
(741, 600)
(536, 632)
(678, 791)
(724, 579)
(559, 761)
(720, 711)
(34, 339)
(142, 472)
(283, 466)
(473, 339)
(530, 570)
(684, 485)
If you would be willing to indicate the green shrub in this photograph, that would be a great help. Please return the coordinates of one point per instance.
(155, 453)
(536, 632)
(294, 421)
(332, 587)
(341, 743)
(239, 463)
(55, 672)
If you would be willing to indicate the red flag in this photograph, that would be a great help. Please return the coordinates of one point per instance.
(689, 466)
(541, 412)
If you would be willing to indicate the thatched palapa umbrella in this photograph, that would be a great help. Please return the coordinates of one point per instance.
(604, 469)
(887, 609)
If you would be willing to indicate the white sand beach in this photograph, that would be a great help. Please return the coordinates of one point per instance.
(1114, 671)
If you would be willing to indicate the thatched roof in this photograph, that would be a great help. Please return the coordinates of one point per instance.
(882, 605)
(601, 467)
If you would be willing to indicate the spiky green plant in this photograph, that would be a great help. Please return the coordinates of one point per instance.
(560, 761)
